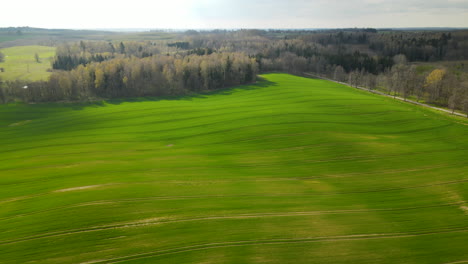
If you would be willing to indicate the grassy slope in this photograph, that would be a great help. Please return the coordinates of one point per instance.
(290, 170)
(18, 59)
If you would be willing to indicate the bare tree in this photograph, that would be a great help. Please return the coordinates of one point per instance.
(339, 74)
(400, 59)
(465, 105)
(354, 78)
(36, 57)
(369, 81)
(397, 78)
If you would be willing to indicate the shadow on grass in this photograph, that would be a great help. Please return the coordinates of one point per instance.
(261, 83)
(21, 112)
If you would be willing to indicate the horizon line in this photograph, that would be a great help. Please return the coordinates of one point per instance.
(148, 29)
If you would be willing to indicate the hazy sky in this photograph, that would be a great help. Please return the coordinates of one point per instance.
(233, 13)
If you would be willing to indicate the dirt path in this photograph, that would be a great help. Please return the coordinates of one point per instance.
(387, 95)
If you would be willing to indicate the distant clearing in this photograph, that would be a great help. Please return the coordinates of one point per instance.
(287, 170)
(20, 63)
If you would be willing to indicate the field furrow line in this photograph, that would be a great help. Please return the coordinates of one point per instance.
(268, 195)
(168, 220)
(270, 116)
(162, 198)
(270, 242)
(150, 112)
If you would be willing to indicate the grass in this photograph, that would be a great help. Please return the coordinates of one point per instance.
(288, 170)
(20, 63)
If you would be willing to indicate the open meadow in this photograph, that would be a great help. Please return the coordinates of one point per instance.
(20, 63)
(286, 170)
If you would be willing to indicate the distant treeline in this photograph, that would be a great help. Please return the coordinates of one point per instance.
(364, 49)
(158, 75)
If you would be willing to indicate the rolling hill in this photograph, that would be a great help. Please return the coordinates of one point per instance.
(286, 170)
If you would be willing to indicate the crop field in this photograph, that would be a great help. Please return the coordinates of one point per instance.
(286, 170)
(20, 63)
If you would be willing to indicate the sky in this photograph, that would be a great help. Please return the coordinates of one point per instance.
(206, 14)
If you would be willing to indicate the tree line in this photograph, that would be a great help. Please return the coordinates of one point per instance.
(438, 87)
(158, 75)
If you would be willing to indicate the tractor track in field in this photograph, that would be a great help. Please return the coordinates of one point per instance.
(205, 116)
(209, 196)
(169, 220)
(210, 133)
(236, 141)
(279, 241)
(294, 148)
(149, 112)
(215, 124)
(268, 195)
(145, 199)
(181, 119)
(163, 121)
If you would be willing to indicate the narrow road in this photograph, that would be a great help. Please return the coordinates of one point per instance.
(388, 95)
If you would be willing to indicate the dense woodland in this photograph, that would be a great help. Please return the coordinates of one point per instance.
(157, 75)
(195, 61)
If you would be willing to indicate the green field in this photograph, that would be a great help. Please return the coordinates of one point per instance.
(288, 170)
(20, 63)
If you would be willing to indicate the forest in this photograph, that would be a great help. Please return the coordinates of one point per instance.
(192, 61)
